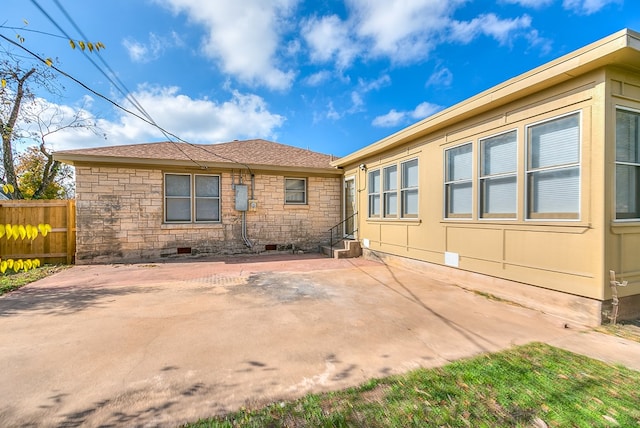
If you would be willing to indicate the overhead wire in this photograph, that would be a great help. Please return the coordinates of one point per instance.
(120, 86)
(98, 94)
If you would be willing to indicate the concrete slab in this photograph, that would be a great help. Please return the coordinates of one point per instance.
(166, 343)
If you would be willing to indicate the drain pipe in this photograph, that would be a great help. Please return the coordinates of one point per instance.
(245, 238)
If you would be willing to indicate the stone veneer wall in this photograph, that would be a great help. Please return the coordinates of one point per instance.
(120, 217)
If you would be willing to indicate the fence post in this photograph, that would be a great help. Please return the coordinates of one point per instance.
(71, 233)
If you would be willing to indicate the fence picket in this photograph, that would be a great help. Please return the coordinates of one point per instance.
(57, 247)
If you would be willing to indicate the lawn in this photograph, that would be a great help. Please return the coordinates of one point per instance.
(12, 281)
(533, 385)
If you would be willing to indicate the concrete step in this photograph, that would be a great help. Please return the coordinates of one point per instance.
(345, 249)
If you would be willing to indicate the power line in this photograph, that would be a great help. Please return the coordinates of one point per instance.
(98, 94)
(119, 85)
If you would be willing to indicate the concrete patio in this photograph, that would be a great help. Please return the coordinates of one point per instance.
(162, 344)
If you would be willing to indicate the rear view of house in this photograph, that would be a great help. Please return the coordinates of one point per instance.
(148, 201)
(529, 190)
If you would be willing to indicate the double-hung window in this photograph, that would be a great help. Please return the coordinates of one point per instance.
(458, 181)
(393, 191)
(409, 188)
(498, 176)
(390, 191)
(627, 165)
(189, 198)
(295, 191)
(374, 193)
(553, 169)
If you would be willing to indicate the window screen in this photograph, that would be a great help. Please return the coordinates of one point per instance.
(498, 180)
(458, 184)
(553, 169)
(627, 165)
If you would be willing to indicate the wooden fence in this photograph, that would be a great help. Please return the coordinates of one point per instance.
(59, 246)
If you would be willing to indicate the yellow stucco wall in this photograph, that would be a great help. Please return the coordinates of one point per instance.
(563, 255)
(622, 249)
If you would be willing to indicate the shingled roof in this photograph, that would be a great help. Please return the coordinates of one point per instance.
(254, 153)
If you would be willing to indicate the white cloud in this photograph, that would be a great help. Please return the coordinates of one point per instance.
(368, 86)
(329, 39)
(356, 97)
(331, 112)
(441, 76)
(535, 40)
(488, 25)
(587, 7)
(318, 78)
(244, 36)
(137, 51)
(152, 49)
(393, 118)
(535, 4)
(404, 31)
(194, 120)
(424, 109)
(396, 118)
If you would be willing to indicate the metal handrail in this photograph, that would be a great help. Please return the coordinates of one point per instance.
(336, 227)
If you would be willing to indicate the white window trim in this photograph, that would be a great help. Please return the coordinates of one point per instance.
(192, 199)
(402, 190)
(306, 191)
(484, 177)
(616, 163)
(391, 191)
(378, 194)
(196, 197)
(445, 206)
(527, 217)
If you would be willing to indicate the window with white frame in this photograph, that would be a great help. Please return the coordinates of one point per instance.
(390, 190)
(374, 193)
(458, 181)
(392, 194)
(627, 165)
(189, 198)
(498, 176)
(295, 191)
(409, 188)
(553, 169)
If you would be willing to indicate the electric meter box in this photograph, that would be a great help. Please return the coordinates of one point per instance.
(242, 198)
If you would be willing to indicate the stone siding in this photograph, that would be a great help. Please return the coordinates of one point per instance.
(120, 217)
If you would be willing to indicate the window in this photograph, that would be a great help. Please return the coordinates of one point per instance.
(179, 203)
(374, 193)
(390, 191)
(295, 191)
(627, 165)
(498, 179)
(457, 182)
(409, 190)
(207, 197)
(553, 169)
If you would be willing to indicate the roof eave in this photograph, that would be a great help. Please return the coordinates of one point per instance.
(78, 159)
(608, 51)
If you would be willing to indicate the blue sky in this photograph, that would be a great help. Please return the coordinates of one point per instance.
(331, 76)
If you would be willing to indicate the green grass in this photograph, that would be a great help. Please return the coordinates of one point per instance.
(515, 388)
(12, 281)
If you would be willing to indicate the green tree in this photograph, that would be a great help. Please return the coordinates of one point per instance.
(28, 120)
(31, 167)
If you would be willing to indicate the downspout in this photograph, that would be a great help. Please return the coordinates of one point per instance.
(245, 238)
